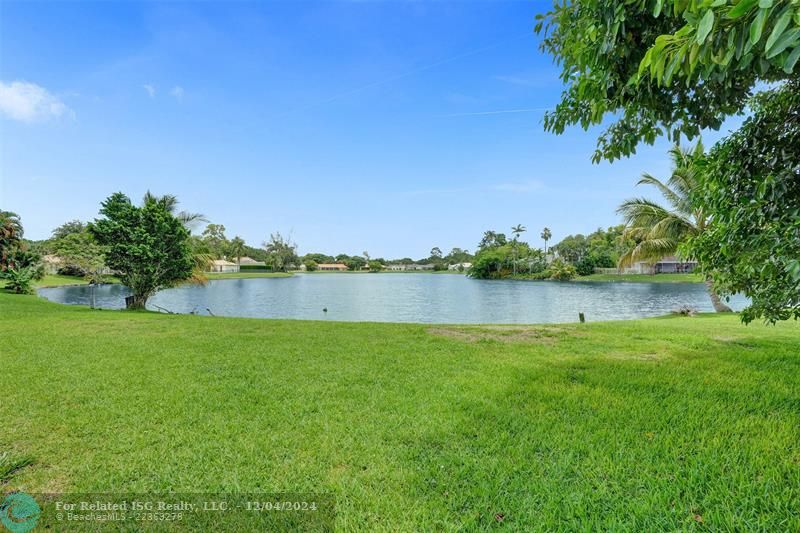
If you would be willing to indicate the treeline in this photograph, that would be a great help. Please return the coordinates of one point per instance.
(502, 257)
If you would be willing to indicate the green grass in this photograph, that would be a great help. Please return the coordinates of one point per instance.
(57, 280)
(645, 278)
(649, 425)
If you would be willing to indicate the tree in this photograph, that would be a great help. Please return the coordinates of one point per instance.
(236, 248)
(281, 252)
(664, 66)
(457, 255)
(215, 239)
(355, 263)
(69, 228)
(10, 237)
(517, 230)
(18, 264)
(81, 254)
(170, 203)
(661, 231)
(546, 236)
(752, 186)
(201, 254)
(572, 248)
(375, 266)
(311, 265)
(436, 253)
(492, 239)
(148, 246)
(319, 258)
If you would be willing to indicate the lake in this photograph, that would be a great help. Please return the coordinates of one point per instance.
(445, 298)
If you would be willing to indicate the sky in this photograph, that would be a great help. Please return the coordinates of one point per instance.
(387, 127)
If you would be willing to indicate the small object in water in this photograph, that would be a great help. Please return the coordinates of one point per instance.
(324, 309)
(581, 317)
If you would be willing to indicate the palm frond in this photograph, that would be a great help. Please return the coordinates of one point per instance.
(673, 227)
(639, 212)
(673, 198)
(650, 250)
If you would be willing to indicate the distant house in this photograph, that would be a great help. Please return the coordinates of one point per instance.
(249, 261)
(410, 267)
(459, 266)
(419, 267)
(220, 265)
(332, 267)
(669, 264)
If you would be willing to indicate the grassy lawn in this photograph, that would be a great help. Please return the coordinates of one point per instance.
(56, 280)
(650, 425)
(645, 278)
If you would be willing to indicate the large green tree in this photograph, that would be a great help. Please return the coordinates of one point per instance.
(81, 254)
(281, 252)
(660, 230)
(660, 67)
(753, 187)
(148, 246)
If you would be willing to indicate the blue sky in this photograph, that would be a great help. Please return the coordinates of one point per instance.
(390, 127)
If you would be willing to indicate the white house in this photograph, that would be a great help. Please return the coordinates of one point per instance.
(220, 265)
(249, 261)
(669, 264)
(459, 266)
(411, 267)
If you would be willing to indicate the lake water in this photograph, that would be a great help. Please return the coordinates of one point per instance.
(427, 298)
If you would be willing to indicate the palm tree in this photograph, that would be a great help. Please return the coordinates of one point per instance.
(170, 203)
(202, 260)
(659, 230)
(10, 235)
(546, 237)
(517, 230)
(236, 248)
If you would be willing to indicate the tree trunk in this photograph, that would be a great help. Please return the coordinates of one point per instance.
(137, 301)
(719, 306)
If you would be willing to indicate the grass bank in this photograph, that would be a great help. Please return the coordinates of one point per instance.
(673, 423)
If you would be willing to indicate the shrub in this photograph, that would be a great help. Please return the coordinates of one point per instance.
(311, 265)
(20, 280)
(562, 271)
(585, 267)
(544, 274)
(257, 268)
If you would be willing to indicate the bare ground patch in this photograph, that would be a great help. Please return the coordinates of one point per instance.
(501, 333)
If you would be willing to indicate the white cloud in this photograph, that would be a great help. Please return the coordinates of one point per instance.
(28, 102)
(177, 92)
(151, 90)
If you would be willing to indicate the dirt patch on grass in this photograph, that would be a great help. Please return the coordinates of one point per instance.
(510, 333)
